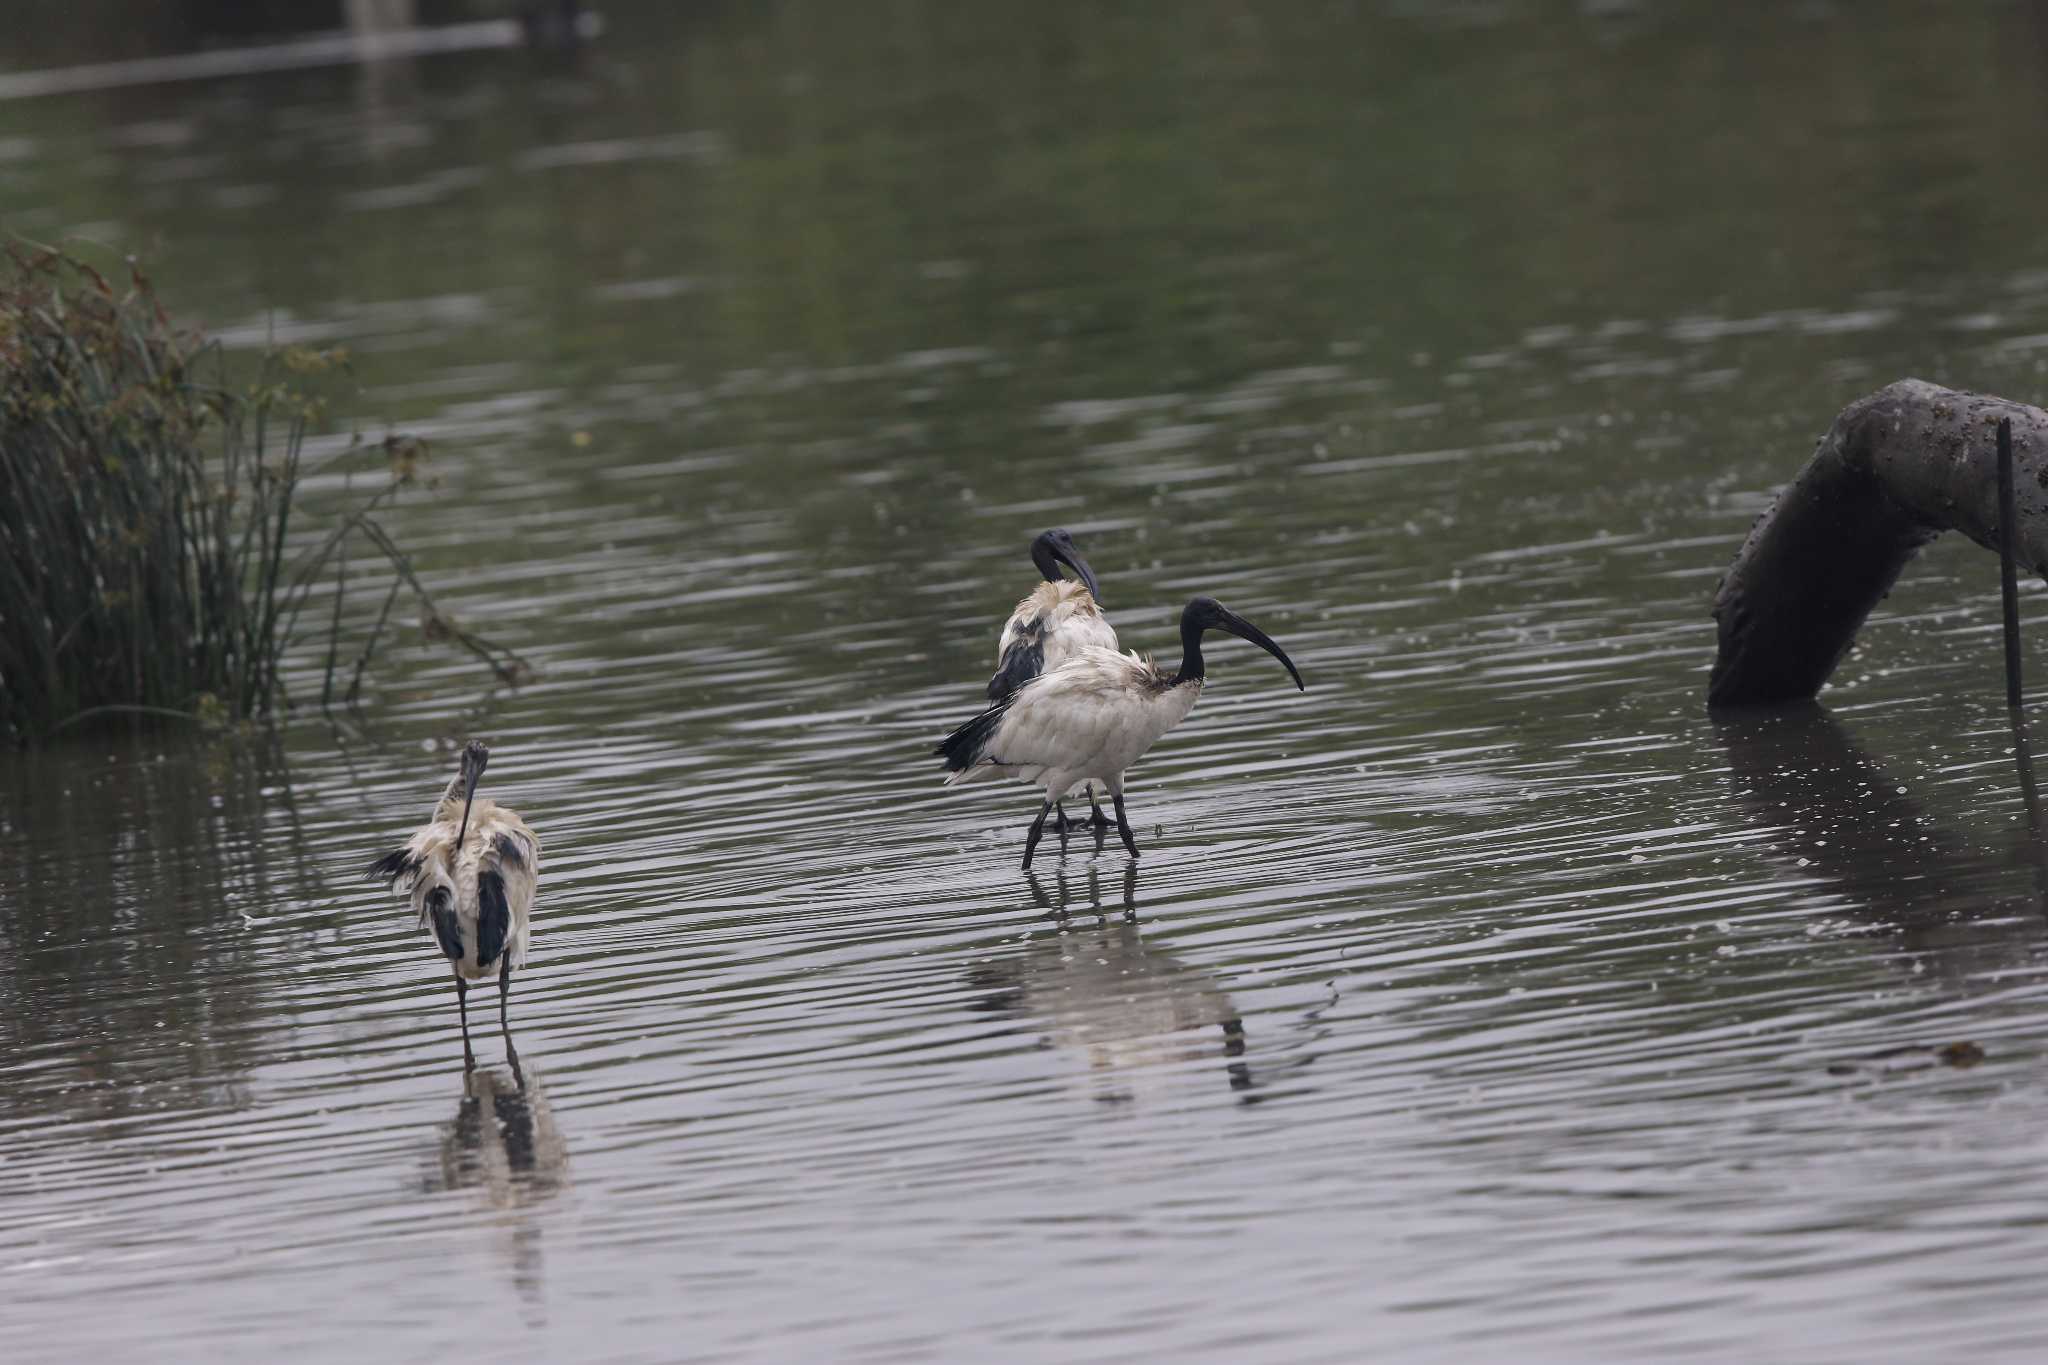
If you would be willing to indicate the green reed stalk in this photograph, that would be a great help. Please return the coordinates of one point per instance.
(146, 510)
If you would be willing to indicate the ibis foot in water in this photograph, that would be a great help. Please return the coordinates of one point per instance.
(1096, 820)
(470, 873)
(1091, 718)
(1038, 830)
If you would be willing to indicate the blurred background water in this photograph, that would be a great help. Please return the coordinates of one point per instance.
(1488, 1000)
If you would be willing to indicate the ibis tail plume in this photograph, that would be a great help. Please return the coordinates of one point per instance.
(1092, 717)
(470, 873)
(1054, 622)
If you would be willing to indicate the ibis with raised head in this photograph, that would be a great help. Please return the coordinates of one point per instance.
(1092, 717)
(1055, 621)
(470, 873)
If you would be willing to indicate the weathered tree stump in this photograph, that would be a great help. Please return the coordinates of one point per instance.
(1896, 470)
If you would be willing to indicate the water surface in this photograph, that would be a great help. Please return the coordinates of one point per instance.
(1489, 999)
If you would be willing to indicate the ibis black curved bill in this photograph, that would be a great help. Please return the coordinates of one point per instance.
(1071, 557)
(1245, 630)
(468, 800)
(474, 759)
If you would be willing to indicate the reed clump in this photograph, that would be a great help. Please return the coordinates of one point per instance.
(149, 557)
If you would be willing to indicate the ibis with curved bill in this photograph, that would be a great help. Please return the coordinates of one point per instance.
(470, 873)
(1092, 717)
(1056, 620)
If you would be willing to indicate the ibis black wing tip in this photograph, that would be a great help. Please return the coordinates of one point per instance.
(511, 850)
(392, 866)
(965, 746)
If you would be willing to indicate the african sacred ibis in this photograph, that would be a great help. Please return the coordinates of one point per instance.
(1092, 717)
(1057, 620)
(472, 870)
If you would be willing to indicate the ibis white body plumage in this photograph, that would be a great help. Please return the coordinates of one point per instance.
(1093, 717)
(470, 874)
(1087, 720)
(458, 892)
(1049, 627)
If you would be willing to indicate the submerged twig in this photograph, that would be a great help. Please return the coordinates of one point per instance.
(355, 682)
(92, 713)
(2008, 581)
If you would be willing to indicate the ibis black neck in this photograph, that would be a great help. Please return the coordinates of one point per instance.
(1206, 613)
(1042, 557)
(1192, 669)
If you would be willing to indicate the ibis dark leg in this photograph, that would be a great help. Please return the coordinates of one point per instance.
(1123, 824)
(505, 1023)
(1095, 815)
(1037, 828)
(462, 1004)
(1060, 823)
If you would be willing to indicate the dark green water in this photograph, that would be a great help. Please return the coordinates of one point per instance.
(1485, 1001)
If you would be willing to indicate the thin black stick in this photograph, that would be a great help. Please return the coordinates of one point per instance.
(2008, 583)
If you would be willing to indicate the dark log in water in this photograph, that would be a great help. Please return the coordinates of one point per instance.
(1896, 470)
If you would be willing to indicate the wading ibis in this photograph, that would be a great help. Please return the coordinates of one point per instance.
(470, 873)
(1057, 620)
(1092, 717)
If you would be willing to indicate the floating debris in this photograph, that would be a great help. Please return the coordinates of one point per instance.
(1912, 1057)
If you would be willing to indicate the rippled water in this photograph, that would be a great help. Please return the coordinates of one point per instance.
(1487, 1000)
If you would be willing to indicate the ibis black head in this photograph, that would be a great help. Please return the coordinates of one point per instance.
(1054, 548)
(1206, 613)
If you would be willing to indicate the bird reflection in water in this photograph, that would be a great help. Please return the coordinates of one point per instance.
(1854, 825)
(503, 1143)
(1100, 991)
